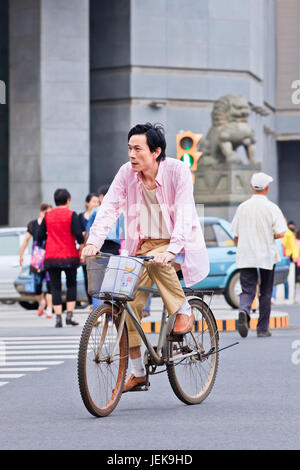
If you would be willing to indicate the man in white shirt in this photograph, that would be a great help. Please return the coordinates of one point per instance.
(256, 225)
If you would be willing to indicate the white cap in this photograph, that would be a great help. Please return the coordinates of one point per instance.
(260, 181)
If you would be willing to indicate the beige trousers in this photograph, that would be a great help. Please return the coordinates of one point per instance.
(166, 281)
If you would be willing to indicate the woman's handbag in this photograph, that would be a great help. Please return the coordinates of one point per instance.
(37, 259)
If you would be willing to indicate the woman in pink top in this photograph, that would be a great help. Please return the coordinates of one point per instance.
(170, 180)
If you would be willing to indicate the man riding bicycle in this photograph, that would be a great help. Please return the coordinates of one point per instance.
(156, 194)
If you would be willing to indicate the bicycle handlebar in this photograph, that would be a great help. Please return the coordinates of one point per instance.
(108, 255)
(178, 259)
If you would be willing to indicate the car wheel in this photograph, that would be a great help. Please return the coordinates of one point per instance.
(233, 290)
(29, 305)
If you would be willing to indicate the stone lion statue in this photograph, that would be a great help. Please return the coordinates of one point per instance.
(230, 129)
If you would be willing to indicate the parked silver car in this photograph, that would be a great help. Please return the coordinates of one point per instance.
(11, 240)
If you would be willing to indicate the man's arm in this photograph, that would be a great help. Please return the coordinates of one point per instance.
(111, 207)
(184, 210)
(279, 235)
(279, 223)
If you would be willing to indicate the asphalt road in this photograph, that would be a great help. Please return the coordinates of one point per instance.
(254, 403)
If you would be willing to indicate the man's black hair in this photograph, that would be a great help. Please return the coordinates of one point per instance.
(155, 136)
(103, 189)
(61, 196)
(291, 222)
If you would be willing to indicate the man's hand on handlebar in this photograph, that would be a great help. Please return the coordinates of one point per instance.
(162, 259)
(88, 250)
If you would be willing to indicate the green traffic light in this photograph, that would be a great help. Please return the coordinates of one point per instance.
(186, 143)
(187, 159)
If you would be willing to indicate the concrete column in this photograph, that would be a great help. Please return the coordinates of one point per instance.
(65, 99)
(49, 103)
(24, 111)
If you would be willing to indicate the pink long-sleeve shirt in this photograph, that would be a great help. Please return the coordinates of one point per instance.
(174, 193)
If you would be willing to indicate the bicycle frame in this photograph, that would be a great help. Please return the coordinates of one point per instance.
(166, 327)
(159, 355)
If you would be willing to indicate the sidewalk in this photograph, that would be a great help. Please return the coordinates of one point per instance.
(226, 316)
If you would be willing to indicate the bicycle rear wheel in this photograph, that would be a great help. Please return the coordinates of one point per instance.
(100, 376)
(192, 378)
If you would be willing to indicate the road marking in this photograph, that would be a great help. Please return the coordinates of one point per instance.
(22, 338)
(22, 369)
(2, 352)
(11, 376)
(45, 346)
(10, 358)
(40, 342)
(31, 353)
(39, 352)
(31, 363)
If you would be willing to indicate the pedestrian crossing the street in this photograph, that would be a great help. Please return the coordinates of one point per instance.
(25, 355)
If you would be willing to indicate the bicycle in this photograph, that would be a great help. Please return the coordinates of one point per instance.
(191, 360)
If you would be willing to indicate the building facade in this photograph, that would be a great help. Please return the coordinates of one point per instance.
(81, 73)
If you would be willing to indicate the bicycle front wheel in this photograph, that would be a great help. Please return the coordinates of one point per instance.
(100, 375)
(192, 378)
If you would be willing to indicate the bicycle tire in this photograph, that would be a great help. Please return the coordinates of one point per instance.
(206, 325)
(93, 365)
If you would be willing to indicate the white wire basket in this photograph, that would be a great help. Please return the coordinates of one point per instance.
(114, 277)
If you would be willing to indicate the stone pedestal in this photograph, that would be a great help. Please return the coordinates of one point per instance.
(222, 188)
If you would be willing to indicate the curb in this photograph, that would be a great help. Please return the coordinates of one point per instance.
(277, 320)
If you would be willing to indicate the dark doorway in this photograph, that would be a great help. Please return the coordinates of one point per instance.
(109, 88)
(289, 179)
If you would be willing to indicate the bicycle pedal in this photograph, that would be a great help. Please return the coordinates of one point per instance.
(139, 388)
